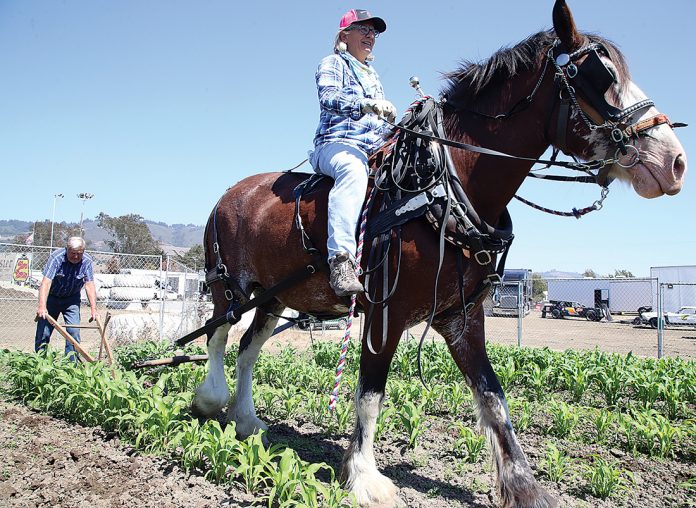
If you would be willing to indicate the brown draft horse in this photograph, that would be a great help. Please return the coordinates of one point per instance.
(260, 246)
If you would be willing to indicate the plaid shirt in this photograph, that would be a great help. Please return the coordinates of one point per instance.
(67, 278)
(341, 120)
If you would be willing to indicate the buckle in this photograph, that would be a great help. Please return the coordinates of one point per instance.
(484, 260)
(617, 135)
(572, 70)
(494, 278)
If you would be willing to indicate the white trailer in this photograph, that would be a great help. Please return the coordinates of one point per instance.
(620, 295)
(679, 286)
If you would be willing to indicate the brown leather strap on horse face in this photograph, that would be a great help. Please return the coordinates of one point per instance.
(632, 131)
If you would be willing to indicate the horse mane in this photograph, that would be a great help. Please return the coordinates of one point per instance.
(472, 80)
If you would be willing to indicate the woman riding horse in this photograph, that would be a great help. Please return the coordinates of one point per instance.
(350, 129)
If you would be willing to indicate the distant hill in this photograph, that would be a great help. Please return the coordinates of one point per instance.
(176, 235)
(557, 274)
(179, 235)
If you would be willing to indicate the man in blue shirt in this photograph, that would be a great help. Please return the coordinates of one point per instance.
(66, 272)
(351, 127)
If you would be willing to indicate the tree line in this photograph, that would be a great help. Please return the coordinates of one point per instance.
(128, 234)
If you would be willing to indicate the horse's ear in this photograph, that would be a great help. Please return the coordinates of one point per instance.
(564, 25)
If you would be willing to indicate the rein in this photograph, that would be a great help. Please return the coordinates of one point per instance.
(418, 178)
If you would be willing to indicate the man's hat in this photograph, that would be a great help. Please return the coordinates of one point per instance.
(357, 15)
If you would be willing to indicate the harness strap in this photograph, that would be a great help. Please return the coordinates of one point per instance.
(233, 291)
(234, 315)
(563, 178)
(581, 166)
(562, 125)
(303, 188)
(632, 131)
(433, 309)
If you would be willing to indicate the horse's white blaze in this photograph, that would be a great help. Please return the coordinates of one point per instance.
(657, 171)
(214, 394)
(369, 486)
(242, 410)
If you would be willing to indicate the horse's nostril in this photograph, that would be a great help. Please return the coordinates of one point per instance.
(679, 167)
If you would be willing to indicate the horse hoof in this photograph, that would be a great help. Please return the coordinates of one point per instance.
(397, 502)
(533, 498)
(207, 407)
(247, 426)
(375, 490)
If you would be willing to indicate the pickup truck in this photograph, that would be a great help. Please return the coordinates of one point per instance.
(685, 317)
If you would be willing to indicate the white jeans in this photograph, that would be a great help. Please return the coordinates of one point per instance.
(347, 165)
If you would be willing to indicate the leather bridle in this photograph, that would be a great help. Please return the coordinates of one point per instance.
(582, 78)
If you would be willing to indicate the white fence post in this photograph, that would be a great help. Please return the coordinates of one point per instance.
(520, 312)
(660, 317)
(163, 294)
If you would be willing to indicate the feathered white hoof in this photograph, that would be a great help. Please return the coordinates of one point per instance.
(520, 490)
(245, 423)
(373, 489)
(208, 403)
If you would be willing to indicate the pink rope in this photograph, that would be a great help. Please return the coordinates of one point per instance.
(346, 336)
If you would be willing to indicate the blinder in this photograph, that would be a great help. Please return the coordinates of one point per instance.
(593, 79)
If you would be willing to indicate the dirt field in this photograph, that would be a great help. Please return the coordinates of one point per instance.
(47, 462)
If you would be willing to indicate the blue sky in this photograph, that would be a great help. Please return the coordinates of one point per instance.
(156, 107)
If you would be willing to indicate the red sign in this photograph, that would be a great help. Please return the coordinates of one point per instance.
(21, 270)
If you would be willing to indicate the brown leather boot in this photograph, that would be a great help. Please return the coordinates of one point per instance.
(343, 279)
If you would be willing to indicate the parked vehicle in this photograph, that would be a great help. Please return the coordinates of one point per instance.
(559, 310)
(678, 286)
(505, 299)
(639, 320)
(618, 294)
(307, 322)
(685, 317)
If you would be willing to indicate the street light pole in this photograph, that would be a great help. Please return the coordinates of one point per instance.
(53, 215)
(84, 196)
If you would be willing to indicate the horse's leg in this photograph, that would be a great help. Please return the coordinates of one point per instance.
(358, 471)
(213, 394)
(516, 484)
(242, 410)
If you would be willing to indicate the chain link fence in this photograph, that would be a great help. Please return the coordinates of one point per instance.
(674, 314)
(148, 297)
(614, 314)
(160, 298)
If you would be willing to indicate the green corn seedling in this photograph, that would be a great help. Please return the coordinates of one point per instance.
(556, 463)
(521, 414)
(254, 461)
(537, 380)
(507, 373)
(386, 421)
(602, 423)
(605, 479)
(610, 381)
(564, 419)
(469, 443)
(411, 417)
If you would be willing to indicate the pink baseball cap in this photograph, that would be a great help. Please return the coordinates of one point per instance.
(357, 15)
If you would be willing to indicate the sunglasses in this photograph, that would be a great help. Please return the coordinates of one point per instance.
(364, 30)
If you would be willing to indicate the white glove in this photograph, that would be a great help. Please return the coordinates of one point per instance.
(379, 107)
